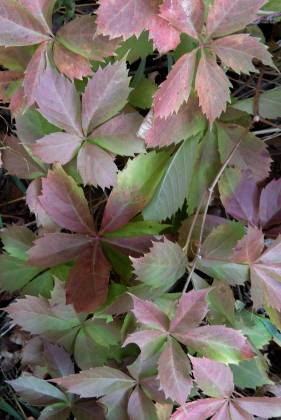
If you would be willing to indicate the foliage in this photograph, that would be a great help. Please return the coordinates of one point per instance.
(135, 300)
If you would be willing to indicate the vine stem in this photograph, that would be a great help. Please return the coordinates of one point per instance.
(209, 198)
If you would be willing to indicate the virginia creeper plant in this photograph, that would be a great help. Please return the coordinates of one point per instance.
(146, 278)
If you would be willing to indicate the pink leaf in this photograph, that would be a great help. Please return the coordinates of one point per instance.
(236, 412)
(58, 360)
(149, 314)
(249, 248)
(270, 204)
(32, 200)
(214, 378)
(144, 338)
(240, 195)
(18, 27)
(266, 286)
(212, 87)
(80, 36)
(119, 135)
(65, 202)
(173, 129)
(174, 372)
(42, 10)
(58, 101)
(72, 65)
(105, 95)
(96, 166)
(228, 16)
(87, 285)
(261, 406)
(200, 409)
(56, 147)
(185, 16)
(218, 343)
(164, 36)
(175, 90)
(238, 52)
(33, 73)
(138, 404)
(57, 248)
(191, 310)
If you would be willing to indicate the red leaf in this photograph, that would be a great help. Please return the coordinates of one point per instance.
(174, 372)
(58, 101)
(228, 16)
(175, 90)
(65, 202)
(72, 65)
(249, 248)
(185, 16)
(96, 166)
(18, 27)
(214, 378)
(191, 310)
(238, 52)
(7, 77)
(133, 246)
(57, 248)
(212, 87)
(164, 36)
(33, 73)
(149, 314)
(56, 147)
(105, 95)
(200, 409)
(87, 285)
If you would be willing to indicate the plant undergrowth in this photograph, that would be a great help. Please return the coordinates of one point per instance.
(140, 209)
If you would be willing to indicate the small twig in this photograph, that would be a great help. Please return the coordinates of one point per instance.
(16, 200)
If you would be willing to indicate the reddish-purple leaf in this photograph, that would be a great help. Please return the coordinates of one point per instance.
(65, 202)
(140, 407)
(80, 36)
(133, 246)
(96, 166)
(119, 135)
(33, 73)
(164, 36)
(72, 65)
(191, 310)
(212, 87)
(18, 27)
(57, 248)
(236, 413)
(270, 204)
(42, 10)
(175, 90)
(228, 16)
(56, 147)
(238, 52)
(201, 409)
(185, 16)
(88, 280)
(240, 195)
(261, 406)
(59, 101)
(177, 127)
(18, 102)
(217, 342)
(174, 372)
(214, 378)
(266, 286)
(149, 314)
(58, 361)
(249, 248)
(17, 161)
(6, 78)
(105, 95)
(33, 193)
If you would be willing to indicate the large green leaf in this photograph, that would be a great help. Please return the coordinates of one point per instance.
(269, 102)
(250, 374)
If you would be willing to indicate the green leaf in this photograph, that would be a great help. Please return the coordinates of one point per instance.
(121, 263)
(187, 45)
(138, 229)
(15, 274)
(272, 6)
(253, 327)
(135, 48)
(17, 240)
(141, 96)
(174, 187)
(269, 104)
(250, 374)
(42, 285)
(31, 126)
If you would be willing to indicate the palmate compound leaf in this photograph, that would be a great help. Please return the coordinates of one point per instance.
(216, 342)
(216, 381)
(124, 19)
(228, 16)
(162, 266)
(18, 26)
